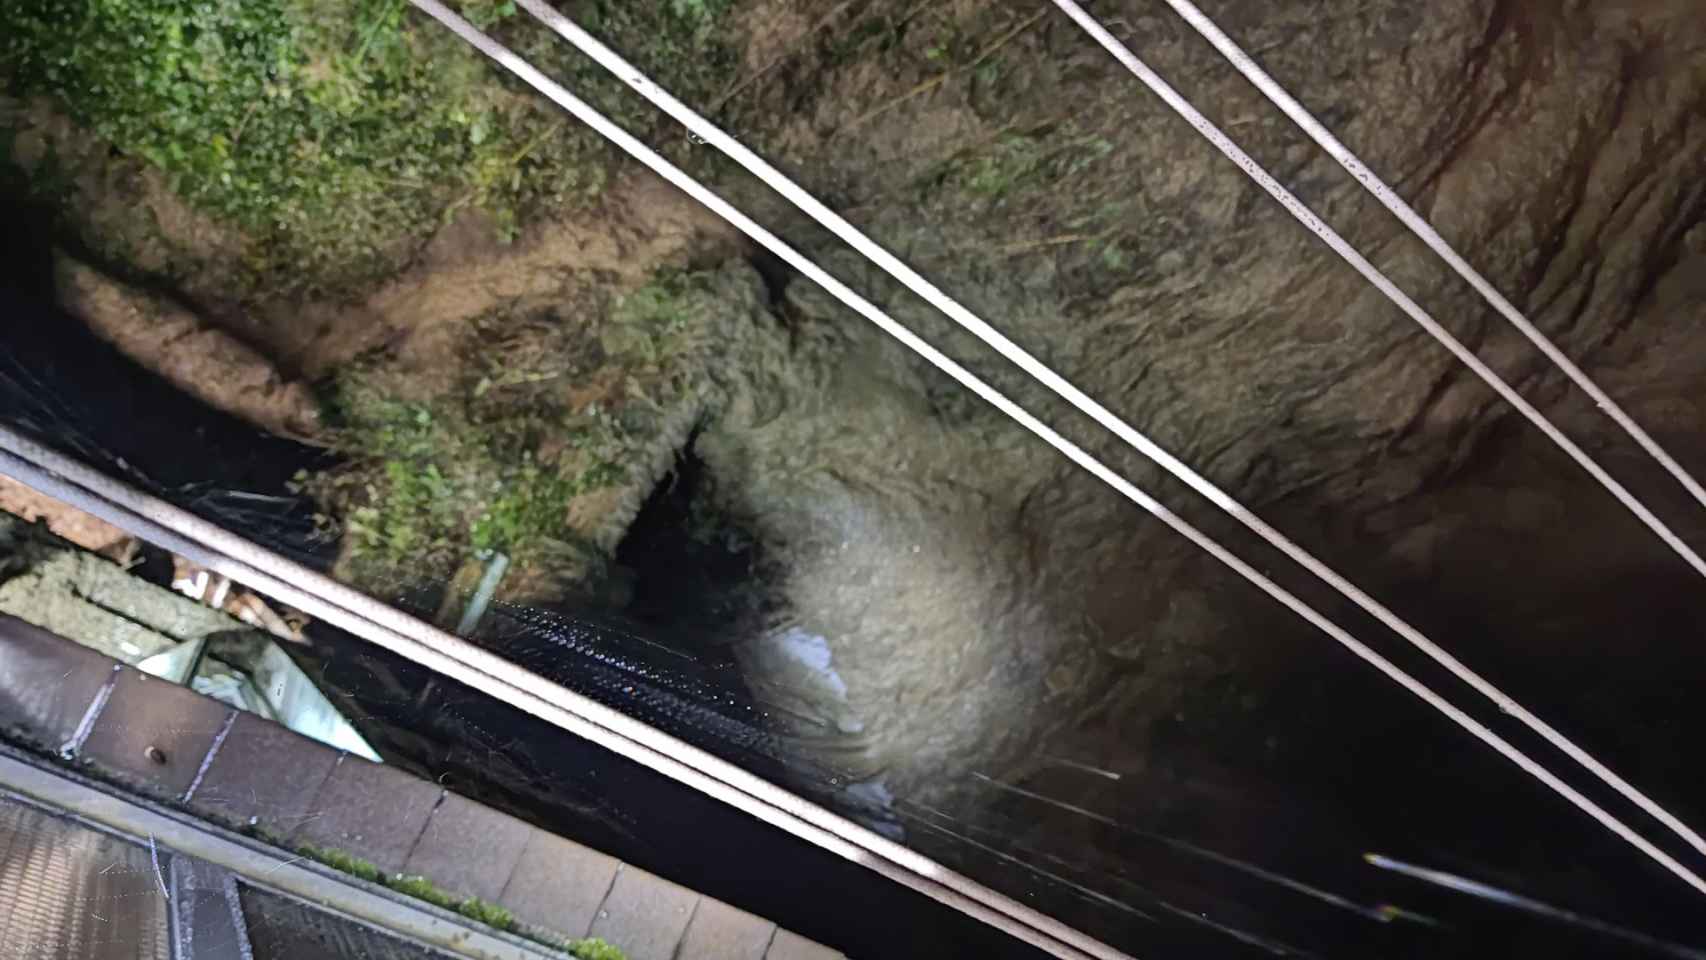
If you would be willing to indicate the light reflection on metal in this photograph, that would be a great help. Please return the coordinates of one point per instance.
(1516, 901)
(1196, 917)
(1080, 889)
(1233, 863)
(1082, 767)
(482, 597)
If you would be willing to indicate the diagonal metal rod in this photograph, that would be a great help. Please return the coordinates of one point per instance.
(1428, 235)
(809, 269)
(974, 324)
(1298, 209)
(1154, 81)
(201, 542)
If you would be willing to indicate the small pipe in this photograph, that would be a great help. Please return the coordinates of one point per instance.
(482, 597)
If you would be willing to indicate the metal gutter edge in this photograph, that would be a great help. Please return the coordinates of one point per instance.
(262, 869)
(219, 550)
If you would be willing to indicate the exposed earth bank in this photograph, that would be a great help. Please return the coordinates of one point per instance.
(941, 595)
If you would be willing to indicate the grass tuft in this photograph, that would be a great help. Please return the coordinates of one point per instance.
(550, 409)
(592, 948)
(345, 862)
(420, 888)
(490, 914)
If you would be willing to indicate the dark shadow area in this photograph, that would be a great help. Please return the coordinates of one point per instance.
(73, 391)
(693, 573)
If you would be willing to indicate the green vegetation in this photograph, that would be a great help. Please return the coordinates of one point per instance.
(337, 134)
(593, 948)
(473, 908)
(1010, 161)
(548, 408)
(586, 948)
(649, 326)
(345, 863)
(420, 888)
(480, 911)
(436, 481)
(1017, 160)
(490, 914)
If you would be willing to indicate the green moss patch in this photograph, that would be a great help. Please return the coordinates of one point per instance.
(419, 888)
(592, 948)
(431, 483)
(489, 914)
(345, 862)
(554, 419)
(480, 911)
(422, 889)
(338, 134)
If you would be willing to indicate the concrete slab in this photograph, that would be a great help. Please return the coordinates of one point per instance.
(792, 946)
(369, 810)
(720, 932)
(95, 602)
(468, 849)
(558, 884)
(46, 683)
(154, 735)
(645, 914)
(262, 775)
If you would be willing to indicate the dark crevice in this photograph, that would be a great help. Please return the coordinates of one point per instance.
(775, 274)
(696, 576)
